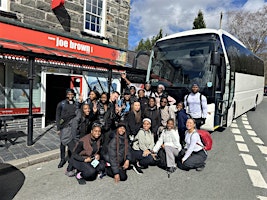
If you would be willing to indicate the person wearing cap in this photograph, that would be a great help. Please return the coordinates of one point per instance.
(119, 155)
(65, 112)
(196, 104)
(169, 141)
(142, 146)
(162, 93)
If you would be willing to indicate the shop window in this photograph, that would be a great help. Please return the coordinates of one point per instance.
(14, 86)
(94, 17)
(3, 5)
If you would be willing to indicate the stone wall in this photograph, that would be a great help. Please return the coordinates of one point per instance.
(39, 13)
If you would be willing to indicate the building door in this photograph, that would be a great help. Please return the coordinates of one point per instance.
(56, 86)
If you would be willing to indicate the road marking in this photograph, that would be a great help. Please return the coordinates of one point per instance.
(235, 130)
(242, 147)
(239, 138)
(244, 117)
(247, 127)
(257, 140)
(256, 178)
(262, 198)
(245, 122)
(263, 149)
(234, 125)
(248, 160)
(266, 158)
(251, 133)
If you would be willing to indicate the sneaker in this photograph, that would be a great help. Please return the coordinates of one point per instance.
(101, 175)
(171, 169)
(80, 179)
(199, 169)
(137, 169)
(70, 173)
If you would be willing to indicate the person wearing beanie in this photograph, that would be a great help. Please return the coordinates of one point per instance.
(142, 146)
(162, 93)
(119, 155)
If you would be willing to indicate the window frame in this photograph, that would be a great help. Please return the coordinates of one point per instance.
(102, 17)
(4, 5)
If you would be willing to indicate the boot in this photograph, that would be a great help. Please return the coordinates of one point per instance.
(61, 163)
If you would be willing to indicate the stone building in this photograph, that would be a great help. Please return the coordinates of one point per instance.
(47, 46)
(104, 21)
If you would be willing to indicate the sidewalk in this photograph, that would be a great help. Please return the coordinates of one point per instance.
(45, 147)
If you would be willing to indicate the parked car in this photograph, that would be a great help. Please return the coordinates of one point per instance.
(265, 91)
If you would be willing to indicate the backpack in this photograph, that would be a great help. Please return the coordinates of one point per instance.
(206, 139)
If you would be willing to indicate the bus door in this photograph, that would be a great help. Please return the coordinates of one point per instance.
(76, 85)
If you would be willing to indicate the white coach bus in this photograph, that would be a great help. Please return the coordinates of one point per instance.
(229, 75)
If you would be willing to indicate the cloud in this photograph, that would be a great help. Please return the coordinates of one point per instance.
(147, 17)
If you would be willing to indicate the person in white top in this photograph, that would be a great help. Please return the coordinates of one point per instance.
(169, 140)
(193, 156)
(197, 105)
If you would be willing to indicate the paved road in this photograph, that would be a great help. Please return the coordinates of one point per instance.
(236, 169)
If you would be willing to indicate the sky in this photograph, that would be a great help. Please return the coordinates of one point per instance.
(147, 17)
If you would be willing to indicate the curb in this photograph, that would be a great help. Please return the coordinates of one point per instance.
(34, 159)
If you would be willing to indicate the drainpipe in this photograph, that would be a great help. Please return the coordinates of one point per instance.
(30, 117)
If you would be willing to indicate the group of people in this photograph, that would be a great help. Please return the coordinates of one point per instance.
(108, 135)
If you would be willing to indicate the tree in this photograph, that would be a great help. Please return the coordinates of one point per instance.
(250, 28)
(149, 43)
(199, 21)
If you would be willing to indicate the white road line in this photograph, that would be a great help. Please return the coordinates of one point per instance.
(263, 149)
(251, 132)
(235, 130)
(239, 138)
(266, 158)
(257, 140)
(262, 198)
(234, 126)
(244, 117)
(256, 178)
(247, 127)
(248, 160)
(245, 122)
(242, 147)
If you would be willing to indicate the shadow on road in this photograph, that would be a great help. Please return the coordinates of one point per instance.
(11, 181)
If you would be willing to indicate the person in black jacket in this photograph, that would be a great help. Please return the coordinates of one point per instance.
(153, 113)
(86, 156)
(142, 99)
(119, 155)
(65, 112)
(134, 120)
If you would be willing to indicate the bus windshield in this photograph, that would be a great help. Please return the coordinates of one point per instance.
(180, 62)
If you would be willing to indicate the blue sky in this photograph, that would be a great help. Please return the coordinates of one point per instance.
(148, 16)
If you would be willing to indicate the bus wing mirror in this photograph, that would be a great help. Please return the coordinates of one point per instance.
(215, 58)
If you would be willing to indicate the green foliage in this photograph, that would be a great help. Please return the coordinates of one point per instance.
(199, 21)
(148, 43)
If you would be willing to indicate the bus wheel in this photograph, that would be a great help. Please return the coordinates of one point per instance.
(255, 105)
